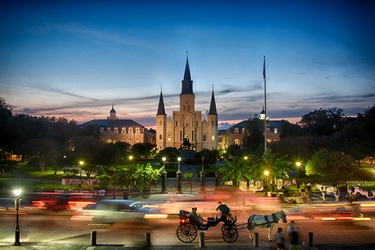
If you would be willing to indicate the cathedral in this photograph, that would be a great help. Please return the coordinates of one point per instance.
(187, 129)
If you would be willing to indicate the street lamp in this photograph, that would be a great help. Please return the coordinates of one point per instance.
(17, 194)
(203, 177)
(130, 158)
(81, 164)
(179, 175)
(266, 173)
(164, 177)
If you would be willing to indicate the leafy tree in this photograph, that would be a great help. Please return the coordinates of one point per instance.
(88, 149)
(323, 122)
(42, 150)
(252, 167)
(210, 156)
(170, 153)
(254, 135)
(234, 171)
(6, 165)
(290, 130)
(145, 176)
(142, 150)
(6, 133)
(331, 164)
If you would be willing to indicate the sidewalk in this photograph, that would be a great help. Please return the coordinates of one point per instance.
(53, 246)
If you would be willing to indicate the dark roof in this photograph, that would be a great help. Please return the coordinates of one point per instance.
(113, 123)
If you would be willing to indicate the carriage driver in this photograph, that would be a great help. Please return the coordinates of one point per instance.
(224, 210)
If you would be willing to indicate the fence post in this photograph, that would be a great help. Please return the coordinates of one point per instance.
(311, 236)
(201, 239)
(256, 239)
(93, 238)
(148, 239)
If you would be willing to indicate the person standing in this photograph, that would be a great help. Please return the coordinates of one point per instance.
(291, 227)
(293, 239)
(280, 240)
(224, 210)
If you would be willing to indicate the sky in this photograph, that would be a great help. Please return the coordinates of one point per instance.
(74, 59)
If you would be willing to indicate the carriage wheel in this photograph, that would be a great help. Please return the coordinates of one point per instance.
(225, 226)
(230, 234)
(186, 233)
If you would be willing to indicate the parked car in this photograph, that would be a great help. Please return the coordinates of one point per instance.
(111, 211)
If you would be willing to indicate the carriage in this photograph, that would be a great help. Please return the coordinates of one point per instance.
(187, 230)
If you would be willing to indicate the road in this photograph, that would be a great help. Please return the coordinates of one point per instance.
(62, 228)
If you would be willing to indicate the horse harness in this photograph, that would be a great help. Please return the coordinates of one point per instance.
(275, 219)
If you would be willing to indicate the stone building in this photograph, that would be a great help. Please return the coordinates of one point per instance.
(236, 133)
(114, 130)
(187, 128)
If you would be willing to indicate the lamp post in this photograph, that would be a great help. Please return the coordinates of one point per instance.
(179, 175)
(17, 194)
(266, 173)
(164, 177)
(203, 177)
(81, 164)
(130, 158)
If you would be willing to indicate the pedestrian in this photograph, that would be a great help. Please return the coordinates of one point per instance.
(302, 190)
(293, 239)
(291, 227)
(224, 210)
(280, 240)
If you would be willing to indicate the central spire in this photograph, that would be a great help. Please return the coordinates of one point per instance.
(187, 83)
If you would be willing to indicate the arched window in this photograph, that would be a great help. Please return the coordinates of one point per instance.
(137, 130)
(236, 141)
(123, 130)
(160, 137)
(131, 130)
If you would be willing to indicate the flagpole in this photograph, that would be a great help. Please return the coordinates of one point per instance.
(265, 105)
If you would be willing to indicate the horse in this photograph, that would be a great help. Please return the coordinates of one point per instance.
(328, 190)
(265, 221)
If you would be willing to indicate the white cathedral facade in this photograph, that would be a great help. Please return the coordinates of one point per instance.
(187, 129)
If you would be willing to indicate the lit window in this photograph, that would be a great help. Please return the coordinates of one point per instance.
(137, 130)
(275, 130)
(101, 130)
(213, 137)
(109, 128)
(116, 130)
(137, 141)
(130, 130)
(237, 142)
(169, 138)
(243, 130)
(236, 130)
(123, 130)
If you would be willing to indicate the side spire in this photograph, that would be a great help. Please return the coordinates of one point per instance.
(213, 110)
(161, 109)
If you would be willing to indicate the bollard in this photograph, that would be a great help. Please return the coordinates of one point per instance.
(93, 238)
(201, 239)
(311, 234)
(256, 239)
(148, 239)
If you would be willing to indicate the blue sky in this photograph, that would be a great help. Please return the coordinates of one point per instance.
(75, 59)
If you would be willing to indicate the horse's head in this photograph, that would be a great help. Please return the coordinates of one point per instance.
(283, 216)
